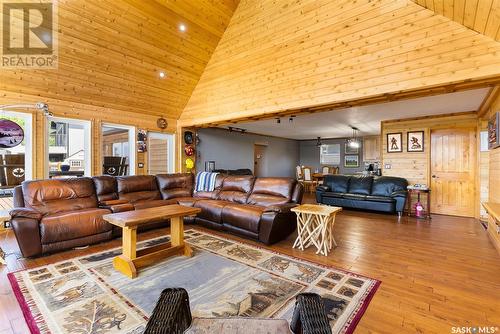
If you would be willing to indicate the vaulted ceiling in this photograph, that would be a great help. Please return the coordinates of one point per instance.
(482, 16)
(305, 54)
(111, 54)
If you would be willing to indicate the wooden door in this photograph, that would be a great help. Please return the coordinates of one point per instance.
(453, 168)
(259, 159)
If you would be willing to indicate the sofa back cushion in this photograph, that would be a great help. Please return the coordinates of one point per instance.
(337, 183)
(138, 188)
(211, 194)
(272, 191)
(106, 188)
(175, 185)
(236, 188)
(386, 185)
(59, 195)
(360, 185)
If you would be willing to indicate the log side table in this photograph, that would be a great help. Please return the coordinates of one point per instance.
(315, 226)
(131, 258)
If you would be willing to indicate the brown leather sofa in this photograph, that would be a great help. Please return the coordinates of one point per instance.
(52, 215)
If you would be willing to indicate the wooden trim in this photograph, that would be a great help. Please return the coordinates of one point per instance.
(488, 100)
(430, 117)
(375, 99)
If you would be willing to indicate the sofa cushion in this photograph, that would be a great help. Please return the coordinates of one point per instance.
(360, 185)
(138, 188)
(386, 185)
(175, 185)
(329, 194)
(244, 216)
(272, 191)
(71, 225)
(153, 204)
(337, 183)
(358, 197)
(211, 209)
(105, 187)
(59, 195)
(236, 189)
(384, 199)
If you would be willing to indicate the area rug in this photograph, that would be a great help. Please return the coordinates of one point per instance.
(223, 278)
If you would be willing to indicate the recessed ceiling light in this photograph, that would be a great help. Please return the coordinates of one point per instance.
(162, 75)
(182, 27)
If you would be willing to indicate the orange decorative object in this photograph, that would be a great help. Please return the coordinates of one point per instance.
(189, 150)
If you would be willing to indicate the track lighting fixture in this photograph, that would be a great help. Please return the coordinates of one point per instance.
(235, 129)
(291, 118)
(319, 143)
(278, 120)
(39, 105)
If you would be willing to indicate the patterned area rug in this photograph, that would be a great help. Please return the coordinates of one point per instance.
(223, 278)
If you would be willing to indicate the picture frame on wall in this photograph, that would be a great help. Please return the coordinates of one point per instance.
(351, 150)
(493, 131)
(209, 166)
(351, 161)
(395, 142)
(415, 141)
(142, 140)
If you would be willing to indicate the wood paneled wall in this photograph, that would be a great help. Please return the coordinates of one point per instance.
(97, 116)
(494, 161)
(482, 16)
(415, 166)
(276, 57)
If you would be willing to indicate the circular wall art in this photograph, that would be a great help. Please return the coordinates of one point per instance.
(162, 123)
(11, 133)
(189, 150)
(188, 137)
(189, 163)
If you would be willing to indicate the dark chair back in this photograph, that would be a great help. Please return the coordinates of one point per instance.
(11, 170)
(115, 166)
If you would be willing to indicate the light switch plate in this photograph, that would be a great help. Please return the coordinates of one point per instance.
(140, 165)
(387, 166)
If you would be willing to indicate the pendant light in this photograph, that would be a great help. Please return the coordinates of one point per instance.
(354, 142)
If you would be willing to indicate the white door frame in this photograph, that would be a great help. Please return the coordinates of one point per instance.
(170, 148)
(131, 144)
(28, 139)
(87, 142)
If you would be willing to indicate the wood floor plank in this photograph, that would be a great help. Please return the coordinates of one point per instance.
(434, 275)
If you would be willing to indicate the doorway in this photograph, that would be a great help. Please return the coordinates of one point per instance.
(259, 157)
(160, 153)
(118, 149)
(453, 170)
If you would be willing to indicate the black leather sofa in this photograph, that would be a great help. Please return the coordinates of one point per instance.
(384, 193)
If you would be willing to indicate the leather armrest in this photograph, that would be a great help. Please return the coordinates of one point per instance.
(400, 193)
(323, 188)
(118, 207)
(25, 213)
(113, 202)
(282, 208)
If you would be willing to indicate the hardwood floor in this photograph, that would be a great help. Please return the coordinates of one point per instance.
(434, 275)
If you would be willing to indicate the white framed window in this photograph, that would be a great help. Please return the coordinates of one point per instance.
(161, 153)
(69, 150)
(330, 154)
(119, 141)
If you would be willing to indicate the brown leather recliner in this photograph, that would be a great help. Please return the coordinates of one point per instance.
(257, 208)
(57, 214)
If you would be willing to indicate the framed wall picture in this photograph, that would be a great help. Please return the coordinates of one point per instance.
(415, 141)
(394, 142)
(350, 149)
(351, 161)
(142, 140)
(209, 166)
(493, 131)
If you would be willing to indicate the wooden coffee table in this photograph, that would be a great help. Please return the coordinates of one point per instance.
(129, 221)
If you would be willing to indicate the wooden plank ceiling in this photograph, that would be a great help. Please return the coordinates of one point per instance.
(482, 16)
(276, 57)
(111, 52)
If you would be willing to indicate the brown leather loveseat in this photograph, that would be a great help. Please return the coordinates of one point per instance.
(59, 214)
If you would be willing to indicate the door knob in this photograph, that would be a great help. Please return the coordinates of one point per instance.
(435, 177)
